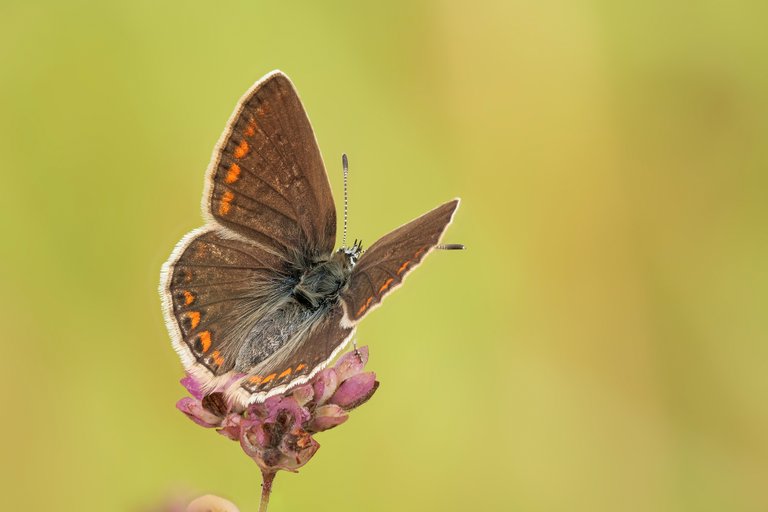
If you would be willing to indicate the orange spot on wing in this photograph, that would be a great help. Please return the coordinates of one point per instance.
(189, 298)
(226, 202)
(284, 374)
(242, 149)
(364, 306)
(255, 380)
(386, 284)
(268, 378)
(300, 367)
(194, 318)
(233, 174)
(402, 267)
(205, 340)
(250, 130)
(419, 252)
(216, 356)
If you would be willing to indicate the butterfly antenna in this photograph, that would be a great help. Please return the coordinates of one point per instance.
(450, 247)
(345, 167)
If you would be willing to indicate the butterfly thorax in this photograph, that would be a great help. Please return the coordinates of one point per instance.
(321, 283)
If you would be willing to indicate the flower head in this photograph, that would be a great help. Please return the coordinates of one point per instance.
(278, 434)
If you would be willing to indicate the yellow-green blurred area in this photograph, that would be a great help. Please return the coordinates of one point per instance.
(602, 345)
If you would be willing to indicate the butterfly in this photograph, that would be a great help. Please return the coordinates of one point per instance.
(257, 299)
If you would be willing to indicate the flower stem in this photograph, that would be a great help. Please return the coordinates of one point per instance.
(266, 489)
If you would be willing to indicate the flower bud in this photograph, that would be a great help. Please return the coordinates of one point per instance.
(355, 391)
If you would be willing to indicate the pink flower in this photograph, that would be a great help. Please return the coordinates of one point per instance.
(278, 434)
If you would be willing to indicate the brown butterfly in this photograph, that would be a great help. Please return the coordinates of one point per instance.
(257, 298)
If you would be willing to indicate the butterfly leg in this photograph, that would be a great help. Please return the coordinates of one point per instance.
(357, 352)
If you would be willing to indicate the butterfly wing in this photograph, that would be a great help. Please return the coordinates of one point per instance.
(267, 180)
(268, 203)
(296, 364)
(385, 264)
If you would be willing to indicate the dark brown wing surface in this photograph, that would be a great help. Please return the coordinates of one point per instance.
(267, 180)
(385, 264)
(212, 285)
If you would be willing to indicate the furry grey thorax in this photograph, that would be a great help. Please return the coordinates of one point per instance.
(290, 314)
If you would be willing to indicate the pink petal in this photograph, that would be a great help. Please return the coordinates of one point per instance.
(211, 503)
(303, 394)
(193, 386)
(351, 363)
(253, 439)
(327, 417)
(355, 391)
(231, 426)
(197, 413)
(325, 385)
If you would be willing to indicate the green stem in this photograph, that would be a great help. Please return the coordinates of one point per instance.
(266, 489)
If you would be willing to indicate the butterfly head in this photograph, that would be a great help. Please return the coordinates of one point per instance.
(353, 253)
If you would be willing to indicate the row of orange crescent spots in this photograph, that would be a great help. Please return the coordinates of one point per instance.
(388, 282)
(259, 380)
(189, 298)
(242, 149)
(205, 340)
(216, 356)
(233, 174)
(226, 202)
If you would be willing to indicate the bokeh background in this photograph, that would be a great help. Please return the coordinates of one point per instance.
(601, 346)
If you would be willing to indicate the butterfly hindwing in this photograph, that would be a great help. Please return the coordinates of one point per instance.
(299, 361)
(385, 264)
(267, 180)
(212, 284)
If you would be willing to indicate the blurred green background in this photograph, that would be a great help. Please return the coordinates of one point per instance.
(601, 345)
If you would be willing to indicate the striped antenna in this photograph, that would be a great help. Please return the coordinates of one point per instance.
(345, 166)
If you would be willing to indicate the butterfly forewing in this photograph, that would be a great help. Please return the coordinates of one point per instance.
(385, 264)
(267, 179)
